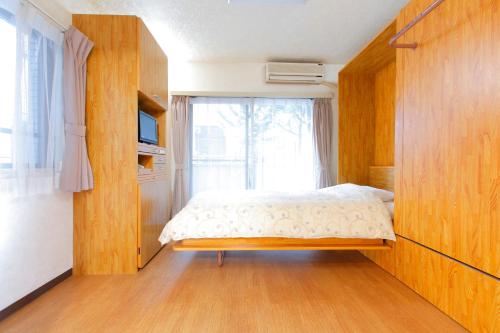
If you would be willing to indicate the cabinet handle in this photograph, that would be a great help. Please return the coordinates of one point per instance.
(156, 97)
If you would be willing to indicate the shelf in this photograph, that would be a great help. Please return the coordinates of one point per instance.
(155, 162)
(149, 104)
(145, 160)
(144, 148)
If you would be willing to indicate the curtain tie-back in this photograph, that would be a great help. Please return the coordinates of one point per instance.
(77, 130)
(180, 166)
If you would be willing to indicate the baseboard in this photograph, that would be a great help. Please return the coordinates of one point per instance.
(34, 294)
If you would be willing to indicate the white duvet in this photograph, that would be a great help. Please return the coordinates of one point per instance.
(342, 211)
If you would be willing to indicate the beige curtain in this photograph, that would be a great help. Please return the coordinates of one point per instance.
(322, 134)
(180, 144)
(76, 173)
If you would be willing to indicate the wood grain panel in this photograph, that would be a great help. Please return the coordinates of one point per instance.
(153, 66)
(451, 133)
(385, 95)
(381, 177)
(384, 259)
(153, 215)
(105, 219)
(467, 295)
(398, 132)
(375, 55)
(470, 297)
(356, 127)
(366, 110)
(278, 244)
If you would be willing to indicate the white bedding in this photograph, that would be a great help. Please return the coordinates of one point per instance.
(390, 208)
(344, 211)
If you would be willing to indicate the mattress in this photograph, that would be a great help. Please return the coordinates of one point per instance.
(344, 211)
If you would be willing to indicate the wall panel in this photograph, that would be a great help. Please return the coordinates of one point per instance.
(359, 97)
(469, 296)
(447, 160)
(356, 127)
(385, 95)
(105, 227)
(385, 259)
(450, 161)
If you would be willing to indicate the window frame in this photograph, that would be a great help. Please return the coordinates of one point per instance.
(249, 114)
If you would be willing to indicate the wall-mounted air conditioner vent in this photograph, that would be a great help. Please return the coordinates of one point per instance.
(284, 72)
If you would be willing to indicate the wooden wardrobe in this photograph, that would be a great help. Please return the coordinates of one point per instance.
(446, 98)
(117, 224)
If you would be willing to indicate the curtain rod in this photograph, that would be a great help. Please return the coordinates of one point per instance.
(61, 26)
(271, 94)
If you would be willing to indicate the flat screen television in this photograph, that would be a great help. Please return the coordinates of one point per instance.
(148, 128)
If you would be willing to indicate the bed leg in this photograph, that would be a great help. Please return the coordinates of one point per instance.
(220, 258)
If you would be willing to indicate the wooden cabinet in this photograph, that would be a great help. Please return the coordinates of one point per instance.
(153, 64)
(465, 294)
(152, 200)
(446, 96)
(450, 163)
(153, 213)
(108, 228)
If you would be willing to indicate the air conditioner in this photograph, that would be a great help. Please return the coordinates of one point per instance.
(285, 72)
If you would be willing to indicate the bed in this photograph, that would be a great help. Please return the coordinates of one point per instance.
(344, 217)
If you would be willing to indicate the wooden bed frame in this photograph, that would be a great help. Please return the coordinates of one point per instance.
(380, 177)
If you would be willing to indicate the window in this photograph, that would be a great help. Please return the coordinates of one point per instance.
(41, 73)
(31, 112)
(33, 118)
(7, 87)
(219, 147)
(259, 143)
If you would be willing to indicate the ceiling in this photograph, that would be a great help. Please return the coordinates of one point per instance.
(328, 31)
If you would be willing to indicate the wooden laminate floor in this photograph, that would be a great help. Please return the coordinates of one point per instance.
(253, 292)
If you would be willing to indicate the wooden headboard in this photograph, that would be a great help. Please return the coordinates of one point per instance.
(381, 177)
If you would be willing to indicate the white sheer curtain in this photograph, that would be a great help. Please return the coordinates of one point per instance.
(31, 121)
(251, 143)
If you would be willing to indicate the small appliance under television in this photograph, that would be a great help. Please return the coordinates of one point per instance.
(148, 128)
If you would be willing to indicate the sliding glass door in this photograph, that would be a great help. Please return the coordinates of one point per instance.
(243, 143)
(281, 144)
(219, 146)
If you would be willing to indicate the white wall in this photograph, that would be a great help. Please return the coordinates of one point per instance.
(36, 243)
(239, 79)
(56, 11)
(247, 80)
(36, 234)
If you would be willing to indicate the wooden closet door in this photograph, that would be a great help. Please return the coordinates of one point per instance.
(153, 63)
(450, 156)
(153, 215)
